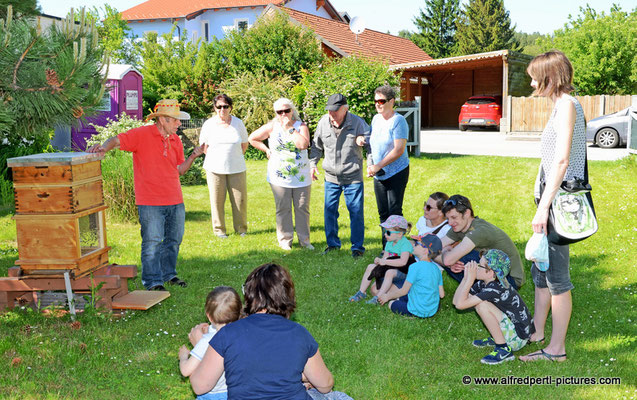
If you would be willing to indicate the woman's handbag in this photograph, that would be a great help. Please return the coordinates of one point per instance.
(572, 215)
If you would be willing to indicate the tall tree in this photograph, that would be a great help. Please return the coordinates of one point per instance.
(602, 48)
(437, 24)
(115, 35)
(485, 25)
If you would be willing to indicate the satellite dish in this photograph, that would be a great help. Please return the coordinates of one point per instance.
(357, 25)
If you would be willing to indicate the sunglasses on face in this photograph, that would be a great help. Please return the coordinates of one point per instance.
(380, 101)
(390, 232)
(281, 112)
(224, 106)
(483, 267)
(429, 208)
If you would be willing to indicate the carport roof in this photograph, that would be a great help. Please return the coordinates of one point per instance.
(470, 61)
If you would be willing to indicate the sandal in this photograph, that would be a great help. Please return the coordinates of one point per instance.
(357, 297)
(541, 341)
(543, 355)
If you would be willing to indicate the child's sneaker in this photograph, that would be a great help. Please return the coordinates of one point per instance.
(498, 355)
(357, 297)
(488, 342)
(373, 300)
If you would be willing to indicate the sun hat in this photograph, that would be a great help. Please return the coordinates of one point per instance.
(499, 262)
(168, 108)
(395, 221)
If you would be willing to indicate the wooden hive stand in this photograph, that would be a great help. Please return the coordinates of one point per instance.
(61, 235)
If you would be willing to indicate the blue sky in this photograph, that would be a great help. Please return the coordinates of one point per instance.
(543, 16)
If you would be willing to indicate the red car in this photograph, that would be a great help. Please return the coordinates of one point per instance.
(483, 111)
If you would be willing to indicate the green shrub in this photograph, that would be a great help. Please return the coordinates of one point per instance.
(253, 95)
(356, 78)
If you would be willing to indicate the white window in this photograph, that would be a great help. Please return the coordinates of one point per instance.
(241, 24)
(205, 31)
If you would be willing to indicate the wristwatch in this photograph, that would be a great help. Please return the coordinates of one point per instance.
(291, 131)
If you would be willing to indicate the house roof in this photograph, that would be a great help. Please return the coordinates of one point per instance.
(430, 64)
(161, 9)
(373, 44)
(117, 71)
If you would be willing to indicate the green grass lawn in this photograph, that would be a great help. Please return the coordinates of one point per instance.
(372, 353)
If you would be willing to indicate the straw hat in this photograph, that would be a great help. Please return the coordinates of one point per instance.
(168, 108)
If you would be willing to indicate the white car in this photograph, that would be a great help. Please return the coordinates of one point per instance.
(611, 130)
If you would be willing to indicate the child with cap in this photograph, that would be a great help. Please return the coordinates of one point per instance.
(421, 292)
(223, 306)
(498, 304)
(394, 263)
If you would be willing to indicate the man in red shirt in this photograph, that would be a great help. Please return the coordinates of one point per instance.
(158, 161)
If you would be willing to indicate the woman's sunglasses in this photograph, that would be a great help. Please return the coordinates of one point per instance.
(281, 112)
(224, 106)
(429, 208)
(380, 101)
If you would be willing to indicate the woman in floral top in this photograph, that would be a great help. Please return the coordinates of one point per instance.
(288, 171)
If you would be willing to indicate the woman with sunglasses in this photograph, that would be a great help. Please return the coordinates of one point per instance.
(389, 163)
(563, 148)
(226, 140)
(288, 171)
(433, 221)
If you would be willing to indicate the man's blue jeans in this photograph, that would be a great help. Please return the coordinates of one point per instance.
(473, 255)
(354, 202)
(162, 231)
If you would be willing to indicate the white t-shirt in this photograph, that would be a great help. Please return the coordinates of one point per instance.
(200, 350)
(224, 155)
(423, 229)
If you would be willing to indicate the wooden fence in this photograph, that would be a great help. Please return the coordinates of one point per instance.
(529, 114)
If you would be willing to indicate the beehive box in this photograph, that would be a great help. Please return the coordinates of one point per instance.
(56, 183)
(59, 217)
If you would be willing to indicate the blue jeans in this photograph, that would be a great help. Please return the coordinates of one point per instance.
(162, 231)
(354, 202)
(473, 255)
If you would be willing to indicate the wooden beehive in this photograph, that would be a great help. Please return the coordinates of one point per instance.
(59, 217)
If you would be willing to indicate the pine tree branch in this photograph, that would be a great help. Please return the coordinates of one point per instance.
(14, 85)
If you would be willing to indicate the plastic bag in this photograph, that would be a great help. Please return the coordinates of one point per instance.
(537, 250)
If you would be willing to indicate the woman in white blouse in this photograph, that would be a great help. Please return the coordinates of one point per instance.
(226, 141)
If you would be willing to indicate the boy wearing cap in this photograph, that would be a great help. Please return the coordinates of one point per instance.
(158, 161)
(340, 137)
(498, 304)
(421, 292)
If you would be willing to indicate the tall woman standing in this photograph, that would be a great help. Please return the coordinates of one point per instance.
(389, 164)
(563, 147)
(288, 171)
(226, 141)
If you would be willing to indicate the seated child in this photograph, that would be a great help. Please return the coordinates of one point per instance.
(498, 304)
(223, 306)
(394, 263)
(420, 295)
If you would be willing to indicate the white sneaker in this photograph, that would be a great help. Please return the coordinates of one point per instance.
(308, 246)
(285, 246)
(222, 236)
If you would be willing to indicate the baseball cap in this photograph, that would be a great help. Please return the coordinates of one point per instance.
(499, 262)
(335, 101)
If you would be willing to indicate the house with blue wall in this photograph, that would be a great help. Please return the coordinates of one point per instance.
(206, 19)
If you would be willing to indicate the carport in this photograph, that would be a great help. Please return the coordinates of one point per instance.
(445, 84)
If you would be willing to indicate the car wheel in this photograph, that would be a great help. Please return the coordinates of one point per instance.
(462, 127)
(607, 138)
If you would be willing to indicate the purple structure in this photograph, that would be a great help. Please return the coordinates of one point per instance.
(125, 95)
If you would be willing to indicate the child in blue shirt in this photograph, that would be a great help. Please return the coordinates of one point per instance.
(420, 294)
(394, 263)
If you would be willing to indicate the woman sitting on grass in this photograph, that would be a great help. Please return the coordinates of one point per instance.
(265, 355)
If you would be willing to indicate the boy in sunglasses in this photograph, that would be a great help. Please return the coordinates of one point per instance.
(497, 303)
(420, 294)
(394, 263)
